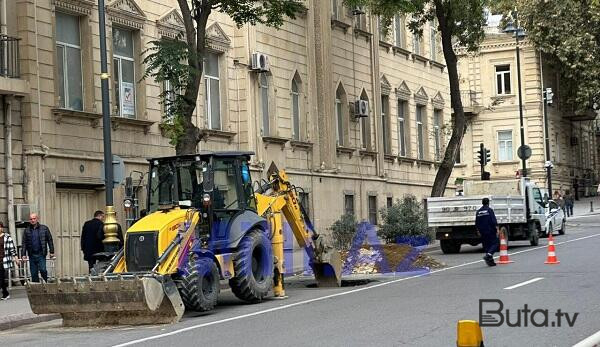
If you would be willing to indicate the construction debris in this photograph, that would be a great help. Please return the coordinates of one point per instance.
(390, 258)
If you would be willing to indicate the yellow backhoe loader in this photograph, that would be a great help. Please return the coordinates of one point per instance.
(206, 224)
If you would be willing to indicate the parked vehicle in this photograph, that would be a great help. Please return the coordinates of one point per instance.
(519, 205)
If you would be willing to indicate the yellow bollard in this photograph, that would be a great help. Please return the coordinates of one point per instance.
(278, 257)
(469, 334)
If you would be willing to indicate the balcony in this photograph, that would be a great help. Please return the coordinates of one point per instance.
(10, 73)
(471, 101)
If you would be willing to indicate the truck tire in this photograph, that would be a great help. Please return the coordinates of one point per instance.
(534, 235)
(99, 267)
(450, 246)
(253, 266)
(563, 228)
(199, 285)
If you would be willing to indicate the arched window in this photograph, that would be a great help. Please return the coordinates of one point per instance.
(263, 83)
(295, 94)
(340, 115)
(365, 128)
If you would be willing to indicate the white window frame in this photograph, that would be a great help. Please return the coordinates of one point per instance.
(437, 133)
(264, 112)
(433, 39)
(420, 132)
(339, 134)
(119, 59)
(402, 127)
(502, 76)
(385, 131)
(208, 89)
(503, 145)
(66, 68)
(417, 44)
(295, 115)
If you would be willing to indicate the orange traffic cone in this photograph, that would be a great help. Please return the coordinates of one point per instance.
(552, 259)
(504, 251)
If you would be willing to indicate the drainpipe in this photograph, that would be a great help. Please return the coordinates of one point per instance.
(7, 110)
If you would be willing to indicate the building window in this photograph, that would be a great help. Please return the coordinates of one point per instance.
(124, 72)
(417, 44)
(385, 124)
(349, 204)
(503, 79)
(383, 36)
(365, 138)
(334, 9)
(389, 201)
(372, 205)
(505, 145)
(458, 159)
(402, 128)
(212, 95)
(420, 132)
(437, 133)
(361, 19)
(399, 31)
(295, 110)
(263, 83)
(68, 62)
(433, 39)
(169, 97)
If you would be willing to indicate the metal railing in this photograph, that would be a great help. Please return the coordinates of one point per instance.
(9, 57)
(470, 98)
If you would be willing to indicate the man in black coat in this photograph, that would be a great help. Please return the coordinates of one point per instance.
(37, 243)
(91, 243)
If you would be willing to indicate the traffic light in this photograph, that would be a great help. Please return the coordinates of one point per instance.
(487, 156)
(481, 155)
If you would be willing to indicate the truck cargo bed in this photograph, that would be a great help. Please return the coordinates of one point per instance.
(460, 210)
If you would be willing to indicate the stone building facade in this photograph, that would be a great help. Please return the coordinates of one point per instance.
(490, 87)
(299, 114)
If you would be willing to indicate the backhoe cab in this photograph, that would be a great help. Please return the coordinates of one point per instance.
(205, 224)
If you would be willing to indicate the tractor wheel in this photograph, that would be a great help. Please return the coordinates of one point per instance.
(563, 227)
(99, 267)
(199, 286)
(534, 237)
(253, 266)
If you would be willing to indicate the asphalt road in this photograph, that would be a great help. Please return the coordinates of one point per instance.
(420, 310)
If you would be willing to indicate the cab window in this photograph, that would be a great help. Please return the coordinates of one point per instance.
(225, 194)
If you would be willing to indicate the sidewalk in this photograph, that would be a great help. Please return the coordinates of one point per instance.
(582, 206)
(16, 311)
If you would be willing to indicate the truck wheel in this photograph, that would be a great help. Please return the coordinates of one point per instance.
(563, 228)
(253, 266)
(99, 267)
(199, 286)
(450, 246)
(534, 237)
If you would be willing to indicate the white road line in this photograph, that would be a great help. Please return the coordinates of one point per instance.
(592, 341)
(193, 327)
(525, 283)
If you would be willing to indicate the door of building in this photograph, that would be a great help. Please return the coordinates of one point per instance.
(74, 207)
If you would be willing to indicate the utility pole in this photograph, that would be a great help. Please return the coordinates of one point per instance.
(547, 99)
(111, 242)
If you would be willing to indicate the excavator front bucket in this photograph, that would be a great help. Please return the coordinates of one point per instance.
(327, 264)
(116, 299)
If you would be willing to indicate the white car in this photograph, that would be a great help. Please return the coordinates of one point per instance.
(555, 219)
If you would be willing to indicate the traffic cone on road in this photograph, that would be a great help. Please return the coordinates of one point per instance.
(552, 259)
(504, 251)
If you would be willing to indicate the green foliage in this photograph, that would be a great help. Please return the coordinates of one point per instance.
(166, 62)
(568, 32)
(404, 219)
(343, 231)
(269, 12)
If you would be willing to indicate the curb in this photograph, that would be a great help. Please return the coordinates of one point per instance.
(16, 320)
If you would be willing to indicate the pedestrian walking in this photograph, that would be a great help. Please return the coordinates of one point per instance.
(559, 200)
(91, 243)
(487, 226)
(8, 254)
(569, 203)
(36, 244)
(576, 187)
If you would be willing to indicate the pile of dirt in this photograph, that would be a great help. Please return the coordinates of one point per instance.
(386, 259)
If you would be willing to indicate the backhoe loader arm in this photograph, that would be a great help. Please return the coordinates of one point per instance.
(324, 259)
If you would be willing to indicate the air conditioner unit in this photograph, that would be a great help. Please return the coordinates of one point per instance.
(361, 108)
(22, 212)
(574, 141)
(260, 62)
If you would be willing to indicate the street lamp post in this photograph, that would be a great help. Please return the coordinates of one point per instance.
(519, 33)
(547, 99)
(110, 241)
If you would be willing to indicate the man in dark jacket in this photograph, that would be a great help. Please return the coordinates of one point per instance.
(487, 225)
(91, 243)
(36, 243)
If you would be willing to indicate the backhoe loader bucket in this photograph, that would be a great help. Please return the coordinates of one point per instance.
(327, 265)
(109, 300)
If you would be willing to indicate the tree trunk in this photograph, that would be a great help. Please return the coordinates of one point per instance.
(459, 125)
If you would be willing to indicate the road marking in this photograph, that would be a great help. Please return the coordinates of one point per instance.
(273, 309)
(524, 283)
(592, 341)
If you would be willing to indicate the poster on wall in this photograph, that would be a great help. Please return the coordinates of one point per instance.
(128, 103)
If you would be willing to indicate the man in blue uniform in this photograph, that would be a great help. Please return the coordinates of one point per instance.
(487, 226)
